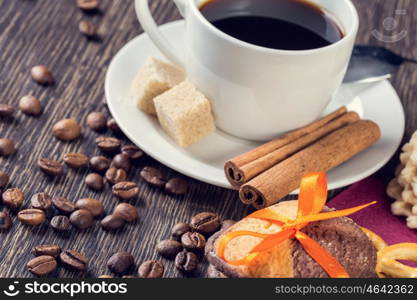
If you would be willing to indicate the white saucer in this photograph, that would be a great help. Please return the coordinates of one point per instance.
(204, 160)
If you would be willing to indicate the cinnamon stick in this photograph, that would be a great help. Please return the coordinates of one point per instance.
(332, 150)
(233, 167)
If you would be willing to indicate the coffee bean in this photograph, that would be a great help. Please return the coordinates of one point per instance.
(42, 265)
(108, 144)
(82, 219)
(227, 224)
(50, 250)
(30, 105)
(94, 181)
(112, 222)
(105, 276)
(63, 205)
(73, 260)
(97, 121)
(41, 201)
(153, 176)
(151, 269)
(60, 223)
(76, 160)
(168, 248)
(4, 179)
(42, 75)
(122, 161)
(95, 207)
(206, 223)
(51, 167)
(31, 216)
(5, 221)
(99, 163)
(7, 147)
(179, 229)
(127, 212)
(193, 241)
(186, 261)
(87, 28)
(133, 152)
(176, 186)
(13, 198)
(125, 190)
(66, 130)
(120, 262)
(114, 175)
(87, 5)
(112, 125)
(6, 111)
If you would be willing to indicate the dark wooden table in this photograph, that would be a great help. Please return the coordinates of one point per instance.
(46, 32)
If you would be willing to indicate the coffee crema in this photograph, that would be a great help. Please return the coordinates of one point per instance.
(276, 24)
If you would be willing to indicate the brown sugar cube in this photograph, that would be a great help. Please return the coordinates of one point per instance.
(185, 114)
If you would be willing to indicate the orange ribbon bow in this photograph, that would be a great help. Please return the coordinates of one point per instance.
(311, 201)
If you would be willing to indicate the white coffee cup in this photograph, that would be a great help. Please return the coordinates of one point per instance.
(258, 93)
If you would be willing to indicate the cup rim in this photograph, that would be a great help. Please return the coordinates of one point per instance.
(349, 34)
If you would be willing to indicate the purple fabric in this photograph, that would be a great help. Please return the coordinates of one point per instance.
(378, 217)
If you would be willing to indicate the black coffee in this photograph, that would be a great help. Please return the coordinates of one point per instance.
(277, 24)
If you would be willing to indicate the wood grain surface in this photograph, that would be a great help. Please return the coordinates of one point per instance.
(46, 32)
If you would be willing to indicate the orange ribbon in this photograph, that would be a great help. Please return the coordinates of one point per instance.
(311, 201)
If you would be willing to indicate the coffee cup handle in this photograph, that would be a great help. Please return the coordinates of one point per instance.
(151, 28)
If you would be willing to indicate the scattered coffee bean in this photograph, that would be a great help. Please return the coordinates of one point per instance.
(179, 229)
(153, 176)
(176, 186)
(51, 167)
(66, 130)
(125, 190)
(42, 265)
(41, 201)
(73, 260)
(4, 179)
(6, 111)
(5, 221)
(31, 216)
(97, 121)
(133, 152)
(122, 161)
(114, 175)
(227, 224)
(168, 248)
(193, 241)
(186, 261)
(63, 205)
(87, 5)
(7, 147)
(76, 160)
(112, 125)
(87, 28)
(112, 222)
(108, 144)
(99, 163)
(127, 212)
(206, 223)
(120, 262)
(50, 250)
(13, 198)
(60, 223)
(42, 75)
(95, 207)
(82, 219)
(151, 269)
(30, 105)
(94, 181)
